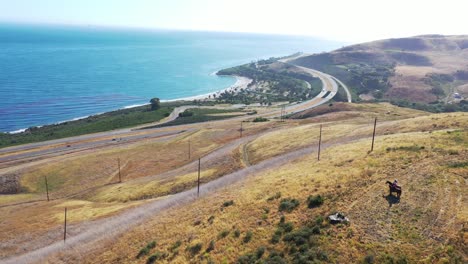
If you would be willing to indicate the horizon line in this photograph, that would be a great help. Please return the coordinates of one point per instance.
(143, 28)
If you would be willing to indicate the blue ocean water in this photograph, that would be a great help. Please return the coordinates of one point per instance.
(50, 74)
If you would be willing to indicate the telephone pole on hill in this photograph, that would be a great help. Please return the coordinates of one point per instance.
(373, 135)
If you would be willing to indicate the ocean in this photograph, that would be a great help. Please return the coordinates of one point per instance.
(50, 74)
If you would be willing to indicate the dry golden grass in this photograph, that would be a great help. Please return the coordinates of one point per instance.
(287, 139)
(348, 177)
(92, 170)
(424, 226)
(143, 190)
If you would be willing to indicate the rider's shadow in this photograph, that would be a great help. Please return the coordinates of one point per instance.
(391, 199)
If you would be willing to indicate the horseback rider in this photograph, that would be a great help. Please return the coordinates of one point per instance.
(395, 184)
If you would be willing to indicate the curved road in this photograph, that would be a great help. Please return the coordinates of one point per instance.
(28, 152)
(117, 224)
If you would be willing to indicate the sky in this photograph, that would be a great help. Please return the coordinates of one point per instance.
(343, 20)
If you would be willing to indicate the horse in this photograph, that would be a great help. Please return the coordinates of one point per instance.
(392, 189)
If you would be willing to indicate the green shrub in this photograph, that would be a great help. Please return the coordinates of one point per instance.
(274, 197)
(369, 259)
(186, 113)
(158, 255)
(458, 164)
(319, 220)
(276, 237)
(299, 237)
(260, 119)
(275, 258)
(316, 230)
(237, 233)
(287, 227)
(210, 246)
(175, 246)
(144, 251)
(288, 205)
(195, 249)
(248, 237)
(414, 148)
(246, 259)
(228, 203)
(223, 234)
(259, 253)
(282, 219)
(314, 201)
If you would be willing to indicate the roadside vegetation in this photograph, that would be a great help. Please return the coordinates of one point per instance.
(197, 115)
(272, 82)
(122, 118)
(423, 72)
(276, 215)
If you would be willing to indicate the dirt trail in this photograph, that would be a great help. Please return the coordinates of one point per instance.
(99, 230)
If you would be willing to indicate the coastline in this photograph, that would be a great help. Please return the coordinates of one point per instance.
(241, 83)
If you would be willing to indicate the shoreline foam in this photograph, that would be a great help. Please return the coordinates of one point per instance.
(241, 82)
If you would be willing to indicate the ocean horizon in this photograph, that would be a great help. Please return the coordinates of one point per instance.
(52, 74)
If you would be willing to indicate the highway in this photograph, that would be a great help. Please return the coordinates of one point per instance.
(32, 152)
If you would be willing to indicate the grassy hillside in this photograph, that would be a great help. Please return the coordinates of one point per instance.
(422, 72)
(97, 123)
(275, 215)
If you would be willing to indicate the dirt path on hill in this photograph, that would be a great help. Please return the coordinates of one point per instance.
(82, 237)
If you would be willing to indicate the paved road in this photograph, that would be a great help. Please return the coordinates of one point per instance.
(97, 230)
(57, 147)
(122, 222)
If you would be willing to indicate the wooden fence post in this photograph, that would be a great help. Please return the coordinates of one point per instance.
(189, 150)
(373, 135)
(198, 188)
(120, 176)
(47, 187)
(65, 227)
(320, 143)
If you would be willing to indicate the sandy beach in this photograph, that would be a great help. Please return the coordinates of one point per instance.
(241, 83)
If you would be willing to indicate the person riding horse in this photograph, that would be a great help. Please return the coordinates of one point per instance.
(394, 187)
(395, 184)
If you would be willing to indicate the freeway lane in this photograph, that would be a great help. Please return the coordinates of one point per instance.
(74, 144)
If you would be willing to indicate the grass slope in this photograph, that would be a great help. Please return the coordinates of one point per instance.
(426, 225)
(97, 123)
(422, 72)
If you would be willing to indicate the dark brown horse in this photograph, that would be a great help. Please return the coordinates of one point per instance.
(396, 189)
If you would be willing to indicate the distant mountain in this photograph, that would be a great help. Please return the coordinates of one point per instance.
(429, 69)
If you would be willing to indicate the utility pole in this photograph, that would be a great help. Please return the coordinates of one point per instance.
(284, 112)
(241, 129)
(198, 188)
(65, 227)
(320, 143)
(189, 149)
(120, 176)
(373, 135)
(47, 187)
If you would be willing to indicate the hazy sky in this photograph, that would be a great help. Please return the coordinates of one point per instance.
(344, 20)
